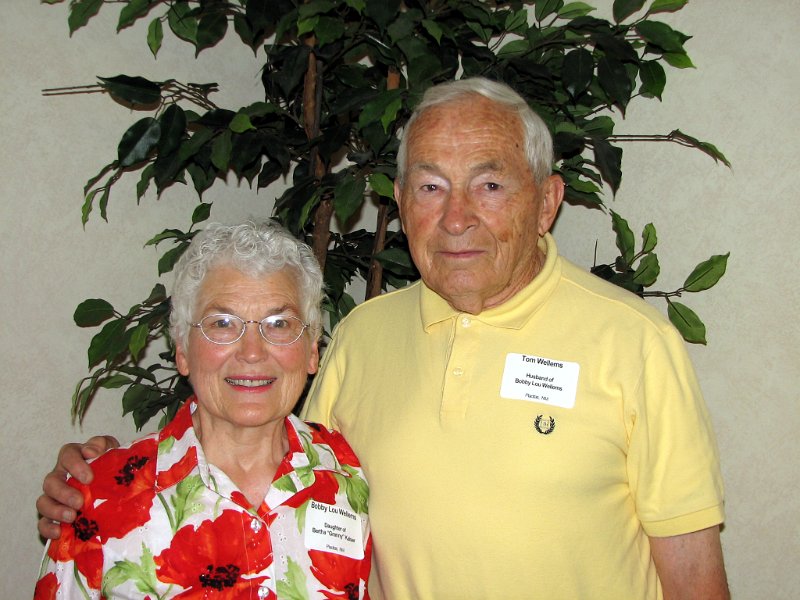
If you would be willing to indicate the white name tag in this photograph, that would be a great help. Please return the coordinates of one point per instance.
(538, 379)
(334, 529)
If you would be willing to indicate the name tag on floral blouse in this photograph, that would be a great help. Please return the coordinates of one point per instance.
(334, 529)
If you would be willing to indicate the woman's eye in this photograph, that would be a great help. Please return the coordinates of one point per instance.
(492, 186)
(221, 323)
(430, 187)
(277, 322)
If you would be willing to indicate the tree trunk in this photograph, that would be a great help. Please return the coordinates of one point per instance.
(312, 94)
(375, 278)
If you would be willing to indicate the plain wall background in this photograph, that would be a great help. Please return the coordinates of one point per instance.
(742, 97)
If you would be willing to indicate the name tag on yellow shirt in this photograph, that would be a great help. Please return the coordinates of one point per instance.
(539, 379)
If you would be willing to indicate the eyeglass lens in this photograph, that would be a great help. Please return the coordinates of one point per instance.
(276, 329)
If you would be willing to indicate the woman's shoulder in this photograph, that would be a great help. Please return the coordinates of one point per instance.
(119, 466)
(330, 438)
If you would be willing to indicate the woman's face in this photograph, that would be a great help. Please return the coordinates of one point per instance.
(251, 382)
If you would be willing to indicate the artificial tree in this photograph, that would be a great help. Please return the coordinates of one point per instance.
(340, 78)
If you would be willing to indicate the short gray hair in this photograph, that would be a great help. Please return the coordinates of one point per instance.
(538, 142)
(254, 249)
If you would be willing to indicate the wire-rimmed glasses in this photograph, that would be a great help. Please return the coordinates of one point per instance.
(278, 330)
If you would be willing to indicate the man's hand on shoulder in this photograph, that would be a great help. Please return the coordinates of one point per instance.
(60, 502)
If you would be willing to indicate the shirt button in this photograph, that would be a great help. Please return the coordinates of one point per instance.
(255, 525)
(458, 371)
(263, 591)
(466, 321)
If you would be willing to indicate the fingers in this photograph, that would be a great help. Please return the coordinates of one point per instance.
(60, 502)
(49, 529)
(96, 446)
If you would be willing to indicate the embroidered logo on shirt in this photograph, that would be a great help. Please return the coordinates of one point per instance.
(544, 425)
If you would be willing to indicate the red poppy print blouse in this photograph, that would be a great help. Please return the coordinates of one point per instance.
(160, 522)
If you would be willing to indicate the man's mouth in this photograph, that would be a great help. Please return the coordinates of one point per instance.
(250, 382)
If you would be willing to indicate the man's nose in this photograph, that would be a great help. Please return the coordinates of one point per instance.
(458, 214)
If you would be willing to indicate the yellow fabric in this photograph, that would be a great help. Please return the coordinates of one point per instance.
(468, 498)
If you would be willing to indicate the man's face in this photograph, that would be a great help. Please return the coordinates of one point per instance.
(469, 205)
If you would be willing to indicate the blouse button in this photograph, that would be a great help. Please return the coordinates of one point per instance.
(255, 525)
(263, 591)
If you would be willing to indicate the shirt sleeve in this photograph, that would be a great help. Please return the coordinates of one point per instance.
(673, 461)
(325, 387)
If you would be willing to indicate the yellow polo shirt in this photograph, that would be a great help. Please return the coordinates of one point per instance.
(526, 452)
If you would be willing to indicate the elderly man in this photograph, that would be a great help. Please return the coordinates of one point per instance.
(529, 431)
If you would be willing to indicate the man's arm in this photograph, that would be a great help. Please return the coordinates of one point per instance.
(690, 566)
(60, 501)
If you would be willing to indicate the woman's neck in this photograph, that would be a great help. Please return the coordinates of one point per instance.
(249, 456)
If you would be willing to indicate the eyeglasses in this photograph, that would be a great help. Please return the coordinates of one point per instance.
(278, 330)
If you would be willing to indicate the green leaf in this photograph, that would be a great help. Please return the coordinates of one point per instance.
(221, 150)
(170, 257)
(293, 587)
(514, 49)
(88, 202)
(348, 197)
(687, 323)
(155, 35)
(356, 489)
(211, 29)
(434, 29)
(653, 78)
(241, 123)
(648, 270)
(381, 185)
(706, 274)
(133, 10)
(573, 10)
(707, 148)
(395, 257)
(649, 238)
(625, 8)
(328, 30)
(108, 343)
(625, 239)
(545, 8)
(138, 142)
(133, 90)
(679, 60)
(201, 213)
(138, 340)
(608, 159)
(615, 80)
(92, 312)
(660, 35)
(173, 128)
(80, 11)
(182, 22)
(114, 382)
(666, 6)
(577, 71)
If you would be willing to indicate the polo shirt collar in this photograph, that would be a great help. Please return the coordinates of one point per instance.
(512, 314)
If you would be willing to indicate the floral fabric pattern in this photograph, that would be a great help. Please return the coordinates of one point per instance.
(160, 522)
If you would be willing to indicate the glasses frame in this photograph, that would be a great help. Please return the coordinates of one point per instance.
(245, 323)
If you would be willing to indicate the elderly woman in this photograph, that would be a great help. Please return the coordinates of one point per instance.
(236, 497)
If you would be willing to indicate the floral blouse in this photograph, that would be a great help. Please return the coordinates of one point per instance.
(160, 522)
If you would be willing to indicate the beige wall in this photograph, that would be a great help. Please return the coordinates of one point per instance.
(742, 97)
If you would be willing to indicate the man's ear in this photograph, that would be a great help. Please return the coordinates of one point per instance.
(552, 196)
(398, 194)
